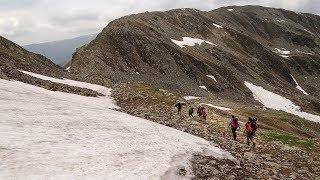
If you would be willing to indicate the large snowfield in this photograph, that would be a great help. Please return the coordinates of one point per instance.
(56, 135)
(277, 102)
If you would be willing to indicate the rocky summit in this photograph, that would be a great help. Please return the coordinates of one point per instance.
(210, 53)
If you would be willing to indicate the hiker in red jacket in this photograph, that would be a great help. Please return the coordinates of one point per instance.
(199, 110)
(204, 114)
(249, 132)
(234, 124)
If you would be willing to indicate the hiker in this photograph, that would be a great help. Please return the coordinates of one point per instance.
(199, 110)
(179, 107)
(234, 126)
(249, 132)
(204, 114)
(191, 110)
(254, 125)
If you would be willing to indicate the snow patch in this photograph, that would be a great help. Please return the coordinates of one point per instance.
(284, 56)
(55, 135)
(217, 26)
(100, 89)
(308, 31)
(203, 87)
(299, 87)
(212, 77)
(277, 102)
(304, 52)
(68, 68)
(230, 9)
(187, 41)
(282, 52)
(190, 98)
(218, 107)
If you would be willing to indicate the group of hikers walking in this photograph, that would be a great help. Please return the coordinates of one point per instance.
(201, 111)
(250, 126)
(250, 129)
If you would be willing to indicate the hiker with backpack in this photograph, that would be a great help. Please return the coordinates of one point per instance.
(179, 107)
(254, 125)
(234, 124)
(199, 110)
(204, 114)
(191, 110)
(249, 132)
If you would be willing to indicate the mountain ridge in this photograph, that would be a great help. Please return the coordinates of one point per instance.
(248, 45)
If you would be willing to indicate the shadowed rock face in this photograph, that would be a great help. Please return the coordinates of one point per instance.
(13, 56)
(251, 45)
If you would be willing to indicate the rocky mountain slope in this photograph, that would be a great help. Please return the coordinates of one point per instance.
(210, 53)
(60, 52)
(14, 59)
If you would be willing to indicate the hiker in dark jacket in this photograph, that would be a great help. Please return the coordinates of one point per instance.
(249, 132)
(254, 125)
(191, 110)
(234, 124)
(179, 107)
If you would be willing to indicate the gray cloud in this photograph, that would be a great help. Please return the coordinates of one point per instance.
(30, 21)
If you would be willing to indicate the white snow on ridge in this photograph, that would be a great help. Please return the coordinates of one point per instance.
(190, 98)
(187, 41)
(203, 87)
(230, 9)
(304, 52)
(283, 52)
(212, 77)
(277, 102)
(217, 26)
(299, 87)
(218, 107)
(55, 135)
(95, 87)
(284, 56)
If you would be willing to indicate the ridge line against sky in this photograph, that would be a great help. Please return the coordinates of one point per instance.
(36, 21)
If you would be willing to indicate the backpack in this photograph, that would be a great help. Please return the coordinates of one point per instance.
(234, 123)
(254, 123)
(199, 110)
(248, 127)
(204, 114)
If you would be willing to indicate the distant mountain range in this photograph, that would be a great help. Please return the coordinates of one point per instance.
(60, 52)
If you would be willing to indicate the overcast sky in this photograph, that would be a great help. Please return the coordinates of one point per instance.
(34, 21)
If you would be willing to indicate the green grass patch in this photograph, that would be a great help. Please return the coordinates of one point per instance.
(153, 93)
(283, 122)
(289, 139)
